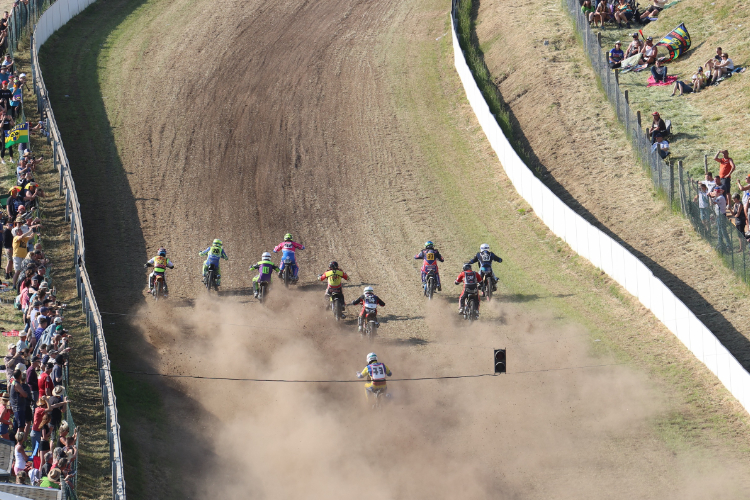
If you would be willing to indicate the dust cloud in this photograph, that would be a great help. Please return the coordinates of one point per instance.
(528, 434)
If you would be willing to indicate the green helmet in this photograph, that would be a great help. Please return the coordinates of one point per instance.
(288, 237)
(429, 244)
(217, 243)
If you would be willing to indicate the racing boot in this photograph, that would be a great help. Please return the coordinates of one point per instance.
(359, 324)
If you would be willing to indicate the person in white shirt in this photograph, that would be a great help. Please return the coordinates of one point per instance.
(720, 209)
(723, 68)
(704, 204)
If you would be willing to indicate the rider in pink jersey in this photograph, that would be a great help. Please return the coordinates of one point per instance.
(288, 249)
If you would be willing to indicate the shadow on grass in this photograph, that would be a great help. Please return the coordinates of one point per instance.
(115, 252)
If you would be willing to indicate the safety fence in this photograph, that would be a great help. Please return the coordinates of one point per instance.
(665, 175)
(600, 249)
(50, 21)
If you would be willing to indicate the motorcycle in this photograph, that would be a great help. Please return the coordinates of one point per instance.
(471, 305)
(337, 305)
(210, 279)
(370, 322)
(430, 284)
(287, 275)
(488, 282)
(158, 289)
(262, 291)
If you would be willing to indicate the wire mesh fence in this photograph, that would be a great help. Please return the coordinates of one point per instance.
(668, 178)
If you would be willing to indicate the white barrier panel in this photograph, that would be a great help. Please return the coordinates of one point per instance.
(603, 252)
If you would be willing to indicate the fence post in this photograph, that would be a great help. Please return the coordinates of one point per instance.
(683, 201)
(671, 184)
(638, 117)
(599, 38)
(627, 97)
(617, 77)
(705, 164)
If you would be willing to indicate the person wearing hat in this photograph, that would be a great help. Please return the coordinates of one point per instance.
(10, 361)
(22, 341)
(5, 414)
(52, 479)
(648, 52)
(616, 55)
(658, 127)
(14, 201)
(634, 47)
(57, 404)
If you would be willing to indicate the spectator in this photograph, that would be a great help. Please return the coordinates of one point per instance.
(720, 209)
(616, 55)
(20, 456)
(704, 204)
(32, 379)
(18, 402)
(8, 63)
(6, 412)
(70, 445)
(710, 181)
(587, 10)
(634, 47)
(623, 13)
(653, 11)
(56, 404)
(22, 342)
(6, 94)
(725, 171)
(662, 146)
(6, 124)
(45, 381)
(740, 219)
(47, 464)
(723, 69)
(14, 201)
(51, 480)
(601, 15)
(57, 371)
(22, 478)
(8, 247)
(10, 361)
(20, 249)
(649, 52)
(659, 71)
(39, 331)
(699, 80)
(658, 127)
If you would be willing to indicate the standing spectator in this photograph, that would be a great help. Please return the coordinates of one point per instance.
(20, 453)
(45, 381)
(740, 220)
(57, 371)
(710, 181)
(720, 209)
(20, 249)
(704, 204)
(56, 403)
(14, 201)
(18, 402)
(659, 71)
(6, 412)
(10, 361)
(634, 47)
(8, 247)
(32, 378)
(725, 171)
(6, 124)
(8, 63)
(616, 55)
(6, 94)
(658, 127)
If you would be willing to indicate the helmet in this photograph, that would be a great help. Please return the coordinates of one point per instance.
(333, 265)
(217, 242)
(162, 252)
(429, 244)
(371, 357)
(484, 247)
(288, 237)
(368, 289)
(265, 256)
(467, 267)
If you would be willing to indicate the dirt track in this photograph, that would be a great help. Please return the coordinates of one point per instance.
(293, 122)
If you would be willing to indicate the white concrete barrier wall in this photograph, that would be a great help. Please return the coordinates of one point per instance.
(603, 251)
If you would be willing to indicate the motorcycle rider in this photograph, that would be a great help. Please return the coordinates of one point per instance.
(267, 267)
(334, 275)
(484, 258)
(431, 257)
(288, 247)
(215, 253)
(368, 299)
(160, 264)
(471, 280)
(375, 373)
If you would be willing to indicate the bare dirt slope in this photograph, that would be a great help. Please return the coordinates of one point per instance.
(571, 129)
(248, 120)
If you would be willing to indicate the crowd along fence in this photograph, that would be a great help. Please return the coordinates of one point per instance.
(600, 249)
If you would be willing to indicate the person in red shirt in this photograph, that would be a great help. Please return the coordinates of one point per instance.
(725, 171)
(471, 281)
(45, 381)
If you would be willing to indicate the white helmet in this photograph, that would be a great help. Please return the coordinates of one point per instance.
(265, 256)
(484, 247)
(371, 357)
(368, 289)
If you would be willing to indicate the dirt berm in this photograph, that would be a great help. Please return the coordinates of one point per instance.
(344, 123)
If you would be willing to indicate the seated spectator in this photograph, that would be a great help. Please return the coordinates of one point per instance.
(616, 55)
(648, 52)
(662, 146)
(699, 79)
(659, 71)
(22, 478)
(40, 128)
(726, 170)
(601, 15)
(587, 10)
(634, 47)
(724, 68)
(658, 127)
(683, 87)
(653, 10)
(623, 13)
